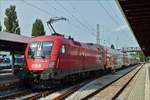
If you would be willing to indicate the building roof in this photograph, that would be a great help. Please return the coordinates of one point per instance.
(137, 14)
(13, 37)
(13, 42)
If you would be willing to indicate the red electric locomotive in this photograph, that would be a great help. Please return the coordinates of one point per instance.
(55, 58)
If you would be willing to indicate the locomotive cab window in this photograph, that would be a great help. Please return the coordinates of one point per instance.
(62, 50)
(40, 49)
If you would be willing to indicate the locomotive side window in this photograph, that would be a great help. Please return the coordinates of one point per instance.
(62, 50)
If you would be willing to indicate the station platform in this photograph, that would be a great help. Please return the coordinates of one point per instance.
(139, 87)
(7, 77)
(7, 71)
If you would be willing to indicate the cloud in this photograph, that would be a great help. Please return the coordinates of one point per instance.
(121, 28)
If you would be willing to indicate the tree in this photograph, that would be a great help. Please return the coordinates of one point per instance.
(112, 46)
(141, 56)
(11, 21)
(0, 27)
(38, 28)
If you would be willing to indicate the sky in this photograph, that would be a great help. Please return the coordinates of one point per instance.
(82, 15)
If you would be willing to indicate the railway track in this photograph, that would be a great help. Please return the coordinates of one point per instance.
(25, 94)
(66, 92)
(15, 94)
(28, 94)
(33, 95)
(71, 90)
(8, 85)
(11, 87)
(10, 81)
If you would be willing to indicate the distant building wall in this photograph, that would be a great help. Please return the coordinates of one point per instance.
(4, 53)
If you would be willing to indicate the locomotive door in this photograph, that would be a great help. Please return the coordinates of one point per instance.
(102, 56)
(62, 57)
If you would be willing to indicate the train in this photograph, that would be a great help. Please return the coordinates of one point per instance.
(6, 61)
(53, 58)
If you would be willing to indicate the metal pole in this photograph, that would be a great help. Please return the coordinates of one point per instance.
(52, 28)
(98, 34)
(13, 61)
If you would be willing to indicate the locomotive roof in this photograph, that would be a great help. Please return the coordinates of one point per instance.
(76, 43)
(47, 37)
(114, 51)
(66, 40)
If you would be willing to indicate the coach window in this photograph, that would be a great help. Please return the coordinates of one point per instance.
(62, 49)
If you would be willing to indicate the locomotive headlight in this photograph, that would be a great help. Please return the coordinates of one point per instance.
(51, 64)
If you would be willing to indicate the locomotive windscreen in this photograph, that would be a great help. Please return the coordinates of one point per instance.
(40, 49)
